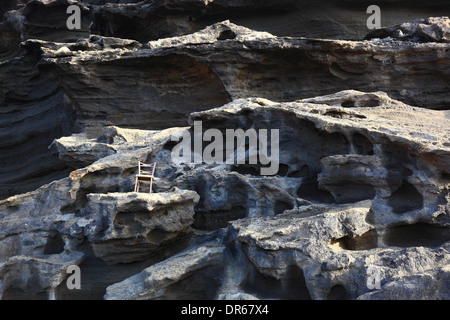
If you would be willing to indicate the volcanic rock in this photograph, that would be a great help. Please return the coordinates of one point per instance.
(434, 29)
(271, 233)
(124, 227)
(91, 83)
(358, 205)
(188, 275)
(79, 151)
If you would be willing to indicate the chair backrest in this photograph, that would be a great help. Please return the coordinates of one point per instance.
(147, 168)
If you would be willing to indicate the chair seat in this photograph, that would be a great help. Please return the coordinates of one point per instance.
(144, 176)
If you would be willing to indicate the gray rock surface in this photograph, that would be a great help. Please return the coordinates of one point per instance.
(305, 65)
(79, 151)
(434, 29)
(292, 235)
(359, 206)
(79, 86)
(125, 227)
(150, 20)
(175, 277)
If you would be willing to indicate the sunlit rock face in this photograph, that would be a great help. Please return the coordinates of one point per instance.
(358, 205)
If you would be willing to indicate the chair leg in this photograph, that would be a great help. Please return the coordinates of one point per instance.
(135, 184)
(151, 183)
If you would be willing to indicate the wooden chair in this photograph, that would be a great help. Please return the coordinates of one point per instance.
(146, 173)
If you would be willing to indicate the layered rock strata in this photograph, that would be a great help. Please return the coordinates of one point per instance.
(358, 207)
(52, 89)
(296, 234)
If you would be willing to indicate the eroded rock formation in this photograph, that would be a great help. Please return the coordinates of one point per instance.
(362, 188)
(424, 30)
(60, 88)
(352, 193)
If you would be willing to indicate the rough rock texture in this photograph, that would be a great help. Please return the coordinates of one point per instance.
(359, 207)
(192, 274)
(294, 235)
(133, 225)
(61, 88)
(424, 30)
(25, 277)
(319, 248)
(79, 151)
(149, 20)
(225, 55)
(34, 111)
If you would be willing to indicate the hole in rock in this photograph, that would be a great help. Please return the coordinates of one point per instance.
(354, 192)
(255, 170)
(313, 144)
(348, 104)
(169, 145)
(291, 286)
(362, 144)
(226, 35)
(97, 275)
(244, 169)
(81, 197)
(337, 114)
(282, 169)
(372, 103)
(203, 284)
(418, 234)
(343, 115)
(101, 182)
(54, 245)
(397, 153)
(335, 142)
(405, 199)
(302, 172)
(31, 291)
(261, 103)
(396, 174)
(12, 209)
(310, 190)
(68, 209)
(216, 219)
(338, 292)
(134, 220)
(281, 206)
(105, 139)
(248, 113)
(179, 174)
(366, 241)
(445, 176)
